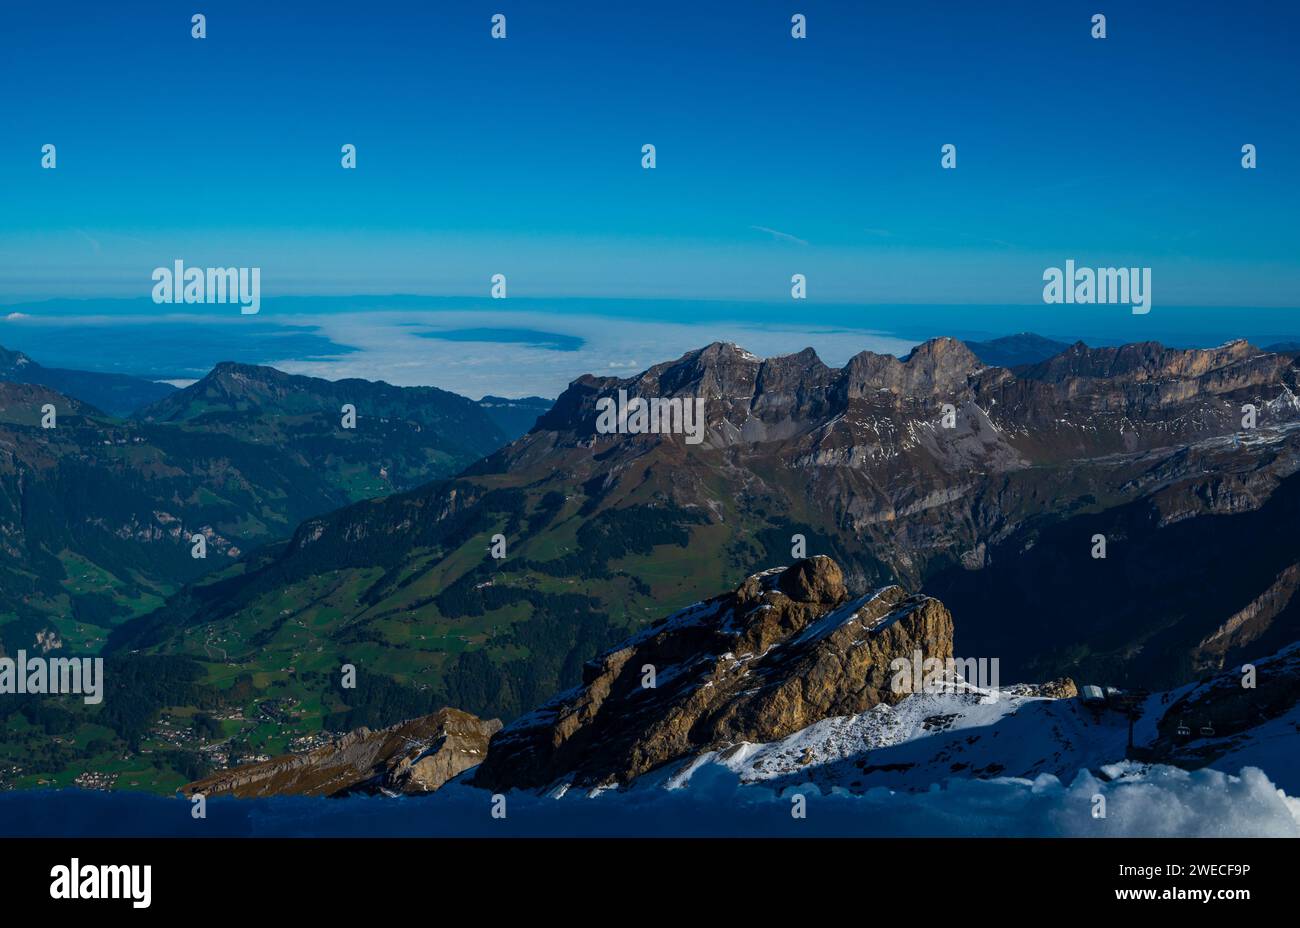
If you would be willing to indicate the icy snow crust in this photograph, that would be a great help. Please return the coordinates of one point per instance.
(926, 738)
(1155, 801)
(965, 763)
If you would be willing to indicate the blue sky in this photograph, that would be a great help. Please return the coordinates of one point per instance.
(774, 155)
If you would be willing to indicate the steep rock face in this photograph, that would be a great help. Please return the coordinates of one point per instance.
(866, 448)
(784, 650)
(417, 756)
(941, 366)
(1237, 362)
(883, 416)
(1249, 623)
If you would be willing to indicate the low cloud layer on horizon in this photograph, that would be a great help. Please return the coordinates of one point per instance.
(391, 349)
(395, 345)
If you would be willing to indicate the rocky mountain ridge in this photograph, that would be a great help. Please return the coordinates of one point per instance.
(785, 649)
(1004, 419)
(413, 757)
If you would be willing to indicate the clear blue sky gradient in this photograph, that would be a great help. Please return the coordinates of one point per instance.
(774, 155)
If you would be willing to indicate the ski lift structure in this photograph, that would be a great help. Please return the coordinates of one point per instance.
(1093, 697)
(1127, 703)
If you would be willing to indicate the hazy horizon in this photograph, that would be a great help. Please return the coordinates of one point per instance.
(526, 347)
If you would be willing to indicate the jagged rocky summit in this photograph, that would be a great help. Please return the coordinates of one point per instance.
(786, 649)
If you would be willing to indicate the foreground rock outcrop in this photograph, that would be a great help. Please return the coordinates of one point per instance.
(786, 649)
(417, 756)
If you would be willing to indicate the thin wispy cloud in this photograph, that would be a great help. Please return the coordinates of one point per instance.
(779, 235)
(94, 242)
(1000, 243)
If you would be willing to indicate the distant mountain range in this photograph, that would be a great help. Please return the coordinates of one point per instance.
(122, 395)
(1014, 350)
(116, 394)
(1028, 348)
(981, 485)
(515, 417)
(997, 515)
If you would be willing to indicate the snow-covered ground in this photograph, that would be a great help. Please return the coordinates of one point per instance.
(966, 763)
(950, 764)
(928, 738)
(1273, 746)
(1154, 801)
